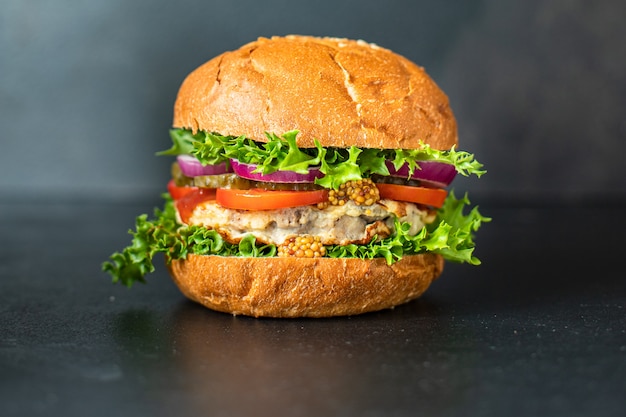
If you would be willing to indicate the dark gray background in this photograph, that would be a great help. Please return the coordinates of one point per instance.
(86, 95)
(87, 88)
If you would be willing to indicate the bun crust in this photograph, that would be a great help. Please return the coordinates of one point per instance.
(297, 287)
(339, 91)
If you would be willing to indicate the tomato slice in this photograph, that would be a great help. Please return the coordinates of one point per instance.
(177, 192)
(259, 199)
(420, 195)
(187, 203)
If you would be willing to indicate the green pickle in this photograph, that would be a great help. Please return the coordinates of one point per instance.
(231, 180)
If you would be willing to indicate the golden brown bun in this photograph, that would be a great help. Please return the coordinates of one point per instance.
(343, 93)
(339, 91)
(296, 287)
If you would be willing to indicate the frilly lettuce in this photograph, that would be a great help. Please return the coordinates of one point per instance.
(338, 165)
(450, 235)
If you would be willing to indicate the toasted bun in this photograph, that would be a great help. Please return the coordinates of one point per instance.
(339, 91)
(296, 287)
(343, 93)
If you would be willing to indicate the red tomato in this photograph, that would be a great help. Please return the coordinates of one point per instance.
(420, 195)
(177, 192)
(259, 199)
(188, 202)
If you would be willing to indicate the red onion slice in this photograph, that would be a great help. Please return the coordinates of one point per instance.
(434, 173)
(191, 167)
(244, 170)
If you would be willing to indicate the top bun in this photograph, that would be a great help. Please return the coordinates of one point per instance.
(342, 92)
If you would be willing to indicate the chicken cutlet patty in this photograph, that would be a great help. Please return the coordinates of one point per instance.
(334, 225)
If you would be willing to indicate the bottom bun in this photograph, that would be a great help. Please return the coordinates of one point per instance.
(303, 287)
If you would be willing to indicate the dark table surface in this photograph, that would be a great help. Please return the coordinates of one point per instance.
(538, 330)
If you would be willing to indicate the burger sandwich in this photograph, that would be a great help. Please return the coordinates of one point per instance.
(310, 178)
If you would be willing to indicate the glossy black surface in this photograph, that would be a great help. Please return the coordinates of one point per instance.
(538, 329)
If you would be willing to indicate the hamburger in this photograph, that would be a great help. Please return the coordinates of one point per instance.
(311, 179)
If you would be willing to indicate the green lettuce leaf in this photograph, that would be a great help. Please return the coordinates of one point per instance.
(182, 142)
(451, 235)
(281, 153)
(460, 240)
(340, 167)
(162, 234)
